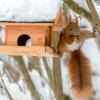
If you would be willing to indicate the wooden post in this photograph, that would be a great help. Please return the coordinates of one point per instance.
(55, 39)
(57, 78)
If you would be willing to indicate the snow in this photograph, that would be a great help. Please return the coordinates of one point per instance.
(90, 49)
(15, 91)
(84, 5)
(42, 86)
(29, 10)
(46, 10)
(92, 54)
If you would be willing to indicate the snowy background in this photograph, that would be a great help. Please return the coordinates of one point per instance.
(29, 10)
(46, 10)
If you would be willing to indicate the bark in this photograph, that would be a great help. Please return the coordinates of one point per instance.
(95, 19)
(94, 14)
(28, 80)
(57, 78)
(91, 16)
(5, 88)
(34, 64)
(49, 73)
(75, 7)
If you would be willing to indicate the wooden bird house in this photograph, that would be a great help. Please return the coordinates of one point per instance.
(41, 35)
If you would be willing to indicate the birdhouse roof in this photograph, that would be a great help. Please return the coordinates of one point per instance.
(29, 10)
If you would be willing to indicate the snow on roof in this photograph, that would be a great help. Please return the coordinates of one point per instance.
(29, 10)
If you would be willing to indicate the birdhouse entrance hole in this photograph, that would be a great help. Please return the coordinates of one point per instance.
(23, 39)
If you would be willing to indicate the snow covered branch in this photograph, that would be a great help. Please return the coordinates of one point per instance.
(75, 7)
(5, 88)
(94, 14)
(26, 75)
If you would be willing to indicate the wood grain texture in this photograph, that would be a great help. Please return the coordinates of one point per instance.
(35, 24)
(29, 51)
(36, 33)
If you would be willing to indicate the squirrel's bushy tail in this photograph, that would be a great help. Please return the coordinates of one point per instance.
(80, 74)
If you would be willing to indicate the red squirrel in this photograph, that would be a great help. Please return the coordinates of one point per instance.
(78, 64)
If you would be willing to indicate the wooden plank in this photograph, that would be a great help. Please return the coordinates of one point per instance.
(57, 16)
(35, 24)
(25, 27)
(36, 33)
(48, 36)
(57, 28)
(29, 51)
(55, 39)
(59, 23)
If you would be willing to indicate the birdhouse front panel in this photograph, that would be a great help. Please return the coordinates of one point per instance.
(18, 35)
